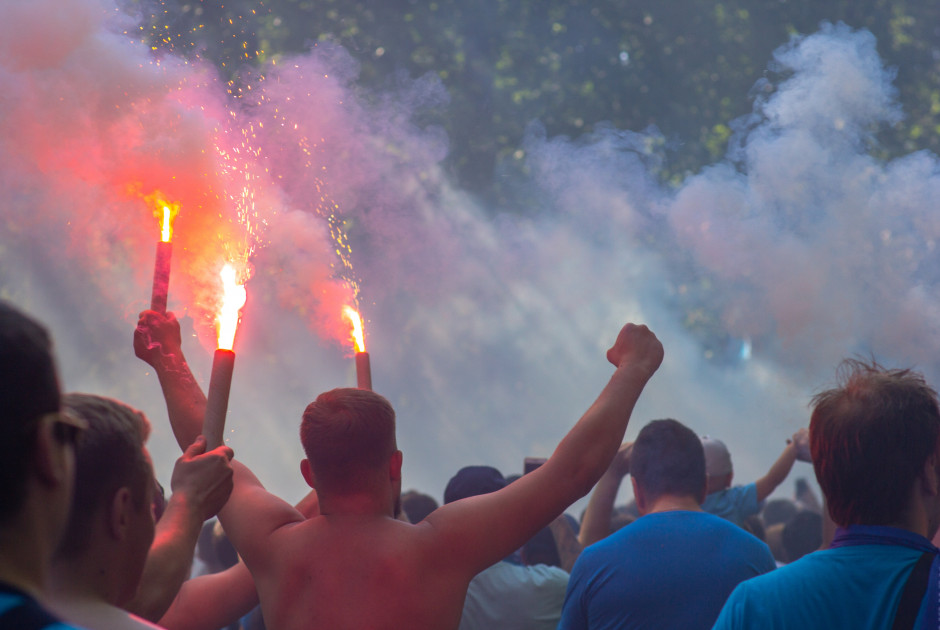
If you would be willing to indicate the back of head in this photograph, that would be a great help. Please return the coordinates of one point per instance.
(870, 438)
(802, 535)
(668, 459)
(29, 389)
(717, 457)
(471, 481)
(417, 505)
(348, 436)
(109, 456)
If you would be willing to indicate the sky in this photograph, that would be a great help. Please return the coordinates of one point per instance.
(487, 331)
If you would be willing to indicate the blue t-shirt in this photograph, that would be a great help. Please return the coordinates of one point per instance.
(849, 587)
(734, 504)
(19, 611)
(664, 570)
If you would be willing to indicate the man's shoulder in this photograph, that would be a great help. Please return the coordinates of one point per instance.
(19, 611)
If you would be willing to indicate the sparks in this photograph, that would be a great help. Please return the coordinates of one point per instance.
(233, 300)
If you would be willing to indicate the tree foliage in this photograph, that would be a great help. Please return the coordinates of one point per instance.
(685, 66)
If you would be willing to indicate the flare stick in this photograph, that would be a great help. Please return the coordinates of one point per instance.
(363, 371)
(220, 384)
(161, 276)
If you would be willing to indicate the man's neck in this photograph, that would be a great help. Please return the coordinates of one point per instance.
(672, 503)
(361, 503)
(83, 578)
(26, 551)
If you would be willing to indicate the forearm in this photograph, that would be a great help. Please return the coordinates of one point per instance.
(777, 473)
(185, 400)
(212, 601)
(585, 453)
(596, 522)
(169, 560)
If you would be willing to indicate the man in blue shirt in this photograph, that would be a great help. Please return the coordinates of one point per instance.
(675, 565)
(875, 449)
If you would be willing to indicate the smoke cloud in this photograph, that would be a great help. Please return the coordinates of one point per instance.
(487, 330)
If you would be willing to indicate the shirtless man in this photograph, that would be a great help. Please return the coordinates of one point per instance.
(355, 566)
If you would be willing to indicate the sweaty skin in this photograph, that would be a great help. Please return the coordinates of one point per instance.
(355, 566)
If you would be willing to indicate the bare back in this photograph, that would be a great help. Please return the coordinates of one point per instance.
(358, 572)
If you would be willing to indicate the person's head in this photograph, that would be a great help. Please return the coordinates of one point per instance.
(874, 437)
(802, 535)
(348, 437)
(667, 459)
(471, 481)
(417, 505)
(113, 485)
(718, 468)
(29, 413)
(778, 511)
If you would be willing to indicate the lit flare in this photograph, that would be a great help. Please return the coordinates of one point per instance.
(233, 300)
(353, 316)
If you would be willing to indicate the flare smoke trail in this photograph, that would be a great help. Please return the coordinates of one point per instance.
(487, 334)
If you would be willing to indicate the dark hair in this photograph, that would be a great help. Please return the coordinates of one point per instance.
(778, 511)
(109, 456)
(29, 389)
(870, 438)
(417, 505)
(668, 458)
(802, 535)
(347, 434)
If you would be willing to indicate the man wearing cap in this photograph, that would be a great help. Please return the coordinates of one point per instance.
(511, 593)
(739, 502)
(875, 441)
(675, 565)
(37, 469)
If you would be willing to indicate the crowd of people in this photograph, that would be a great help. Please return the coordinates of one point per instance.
(89, 539)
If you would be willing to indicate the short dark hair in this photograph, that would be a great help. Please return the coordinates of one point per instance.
(109, 456)
(870, 438)
(29, 389)
(668, 458)
(347, 434)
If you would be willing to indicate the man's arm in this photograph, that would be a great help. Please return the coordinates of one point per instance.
(596, 522)
(473, 533)
(781, 468)
(251, 513)
(201, 484)
(219, 600)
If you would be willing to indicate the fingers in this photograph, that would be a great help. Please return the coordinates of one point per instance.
(198, 447)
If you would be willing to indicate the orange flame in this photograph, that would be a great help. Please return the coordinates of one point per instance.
(232, 301)
(353, 316)
(165, 212)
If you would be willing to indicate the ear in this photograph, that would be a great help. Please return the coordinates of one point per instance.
(638, 496)
(51, 458)
(930, 477)
(394, 466)
(307, 471)
(119, 518)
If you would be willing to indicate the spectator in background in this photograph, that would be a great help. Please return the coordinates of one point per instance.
(417, 505)
(875, 442)
(675, 565)
(512, 594)
(37, 469)
(738, 502)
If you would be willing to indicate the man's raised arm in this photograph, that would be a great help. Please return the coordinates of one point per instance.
(251, 512)
(478, 531)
